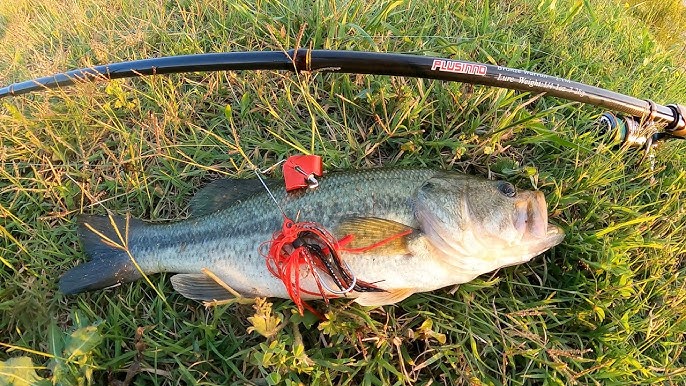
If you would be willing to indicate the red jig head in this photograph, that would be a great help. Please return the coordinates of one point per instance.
(301, 171)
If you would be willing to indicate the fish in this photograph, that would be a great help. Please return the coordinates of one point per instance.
(454, 227)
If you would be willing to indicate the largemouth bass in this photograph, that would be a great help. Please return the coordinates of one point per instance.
(461, 227)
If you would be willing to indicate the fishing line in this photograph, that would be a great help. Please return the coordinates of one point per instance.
(257, 173)
(269, 169)
(456, 39)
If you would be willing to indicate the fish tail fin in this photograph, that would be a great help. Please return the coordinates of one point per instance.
(105, 240)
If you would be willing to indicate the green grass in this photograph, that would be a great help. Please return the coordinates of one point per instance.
(605, 307)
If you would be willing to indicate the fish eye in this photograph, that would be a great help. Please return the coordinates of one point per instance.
(507, 189)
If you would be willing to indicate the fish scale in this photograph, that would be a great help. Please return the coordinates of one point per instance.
(230, 220)
(222, 239)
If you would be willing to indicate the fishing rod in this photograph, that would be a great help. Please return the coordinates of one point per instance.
(639, 123)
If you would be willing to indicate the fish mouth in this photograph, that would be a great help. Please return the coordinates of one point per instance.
(553, 236)
(531, 221)
(534, 246)
(531, 215)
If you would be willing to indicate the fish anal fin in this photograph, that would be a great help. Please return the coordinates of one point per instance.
(374, 235)
(384, 298)
(219, 194)
(198, 286)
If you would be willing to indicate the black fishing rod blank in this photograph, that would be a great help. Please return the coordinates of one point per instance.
(229, 61)
(670, 118)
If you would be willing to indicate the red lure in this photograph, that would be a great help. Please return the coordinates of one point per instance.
(310, 245)
(288, 251)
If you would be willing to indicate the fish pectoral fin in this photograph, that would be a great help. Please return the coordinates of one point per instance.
(219, 194)
(384, 298)
(375, 235)
(198, 286)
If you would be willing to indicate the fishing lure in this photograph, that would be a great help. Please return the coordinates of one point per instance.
(310, 247)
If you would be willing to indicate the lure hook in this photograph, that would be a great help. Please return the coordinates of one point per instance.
(338, 292)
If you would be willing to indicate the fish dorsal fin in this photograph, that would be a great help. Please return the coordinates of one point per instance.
(219, 194)
(374, 235)
(198, 286)
(384, 298)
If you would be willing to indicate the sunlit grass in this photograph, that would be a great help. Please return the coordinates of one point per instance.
(606, 306)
